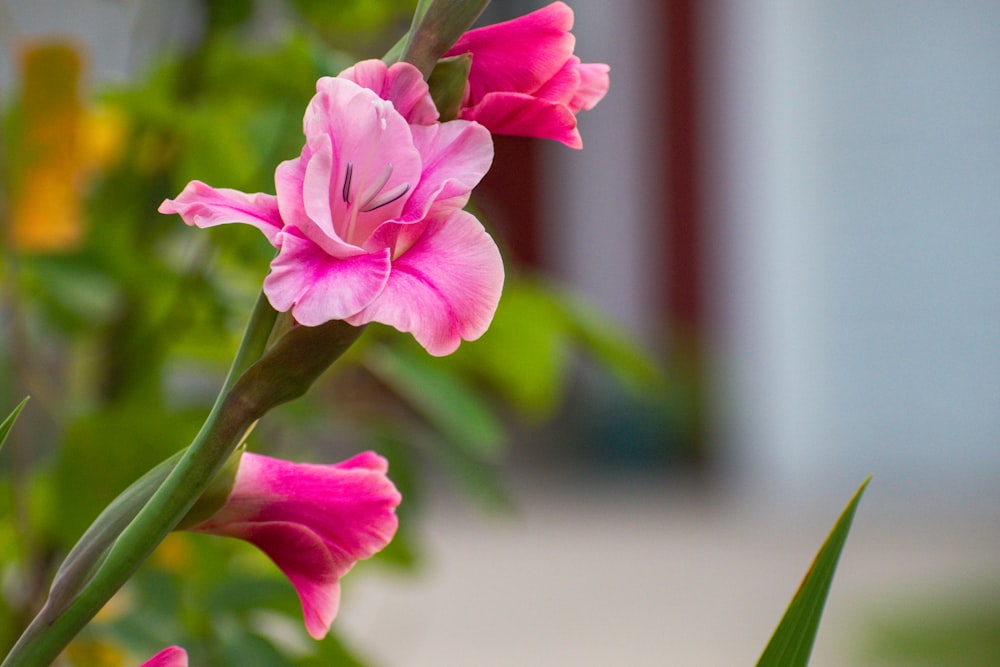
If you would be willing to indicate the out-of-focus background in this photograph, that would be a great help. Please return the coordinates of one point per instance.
(789, 209)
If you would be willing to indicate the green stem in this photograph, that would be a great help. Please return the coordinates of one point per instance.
(229, 420)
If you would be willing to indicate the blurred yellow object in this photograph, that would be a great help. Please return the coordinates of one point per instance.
(120, 604)
(174, 553)
(45, 202)
(92, 653)
(54, 143)
(102, 137)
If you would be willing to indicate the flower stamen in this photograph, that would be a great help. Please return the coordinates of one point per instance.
(346, 192)
(373, 197)
(386, 198)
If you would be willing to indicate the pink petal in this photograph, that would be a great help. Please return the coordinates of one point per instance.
(443, 289)
(594, 82)
(317, 287)
(204, 206)
(367, 460)
(455, 155)
(313, 521)
(350, 505)
(301, 556)
(289, 180)
(316, 197)
(518, 55)
(173, 656)
(401, 83)
(526, 116)
(371, 152)
(563, 85)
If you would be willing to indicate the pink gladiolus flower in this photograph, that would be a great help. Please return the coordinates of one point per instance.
(525, 79)
(173, 656)
(368, 219)
(313, 521)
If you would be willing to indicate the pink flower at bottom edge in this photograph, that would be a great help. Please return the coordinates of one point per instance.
(313, 521)
(174, 656)
(525, 80)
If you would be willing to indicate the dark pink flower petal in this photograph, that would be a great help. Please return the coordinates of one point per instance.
(525, 80)
(522, 115)
(318, 287)
(173, 656)
(519, 55)
(204, 206)
(313, 521)
(400, 83)
(563, 85)
(444, 287)
(302, 556)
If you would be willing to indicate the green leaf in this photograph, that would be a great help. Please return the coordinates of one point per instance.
(89, 551)
(8, 423)
(525, 355)
(447, 84)
(792, 642)
(610, 345)
(442, 399)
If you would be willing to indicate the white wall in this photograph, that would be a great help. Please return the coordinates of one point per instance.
(854, 173)
(118, 38)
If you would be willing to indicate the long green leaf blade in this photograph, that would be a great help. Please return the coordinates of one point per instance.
(8, 423)
(792, 642)
(448, 404)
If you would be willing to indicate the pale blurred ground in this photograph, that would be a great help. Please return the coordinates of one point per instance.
(653, 572)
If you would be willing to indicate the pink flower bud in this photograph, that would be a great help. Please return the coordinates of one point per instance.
(313, 521)
(525, 80)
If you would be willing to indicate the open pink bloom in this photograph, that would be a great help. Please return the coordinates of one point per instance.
(525, 79)
(173, 656)
(368, 219)
(313, 521)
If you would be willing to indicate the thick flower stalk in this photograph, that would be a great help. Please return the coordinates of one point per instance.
(524, 79)
(314, 521)
(368, 219)
(173, 656)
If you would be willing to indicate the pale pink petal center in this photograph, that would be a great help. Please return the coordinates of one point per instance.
(361, 162)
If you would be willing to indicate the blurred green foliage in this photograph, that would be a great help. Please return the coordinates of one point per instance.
(958, 628)
(123, 337)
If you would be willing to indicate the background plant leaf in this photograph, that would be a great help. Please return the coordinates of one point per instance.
(793, 640)
(8, 423)
(451, 406)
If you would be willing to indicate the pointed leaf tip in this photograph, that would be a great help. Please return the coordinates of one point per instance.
(793, 639)
(8, 423)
